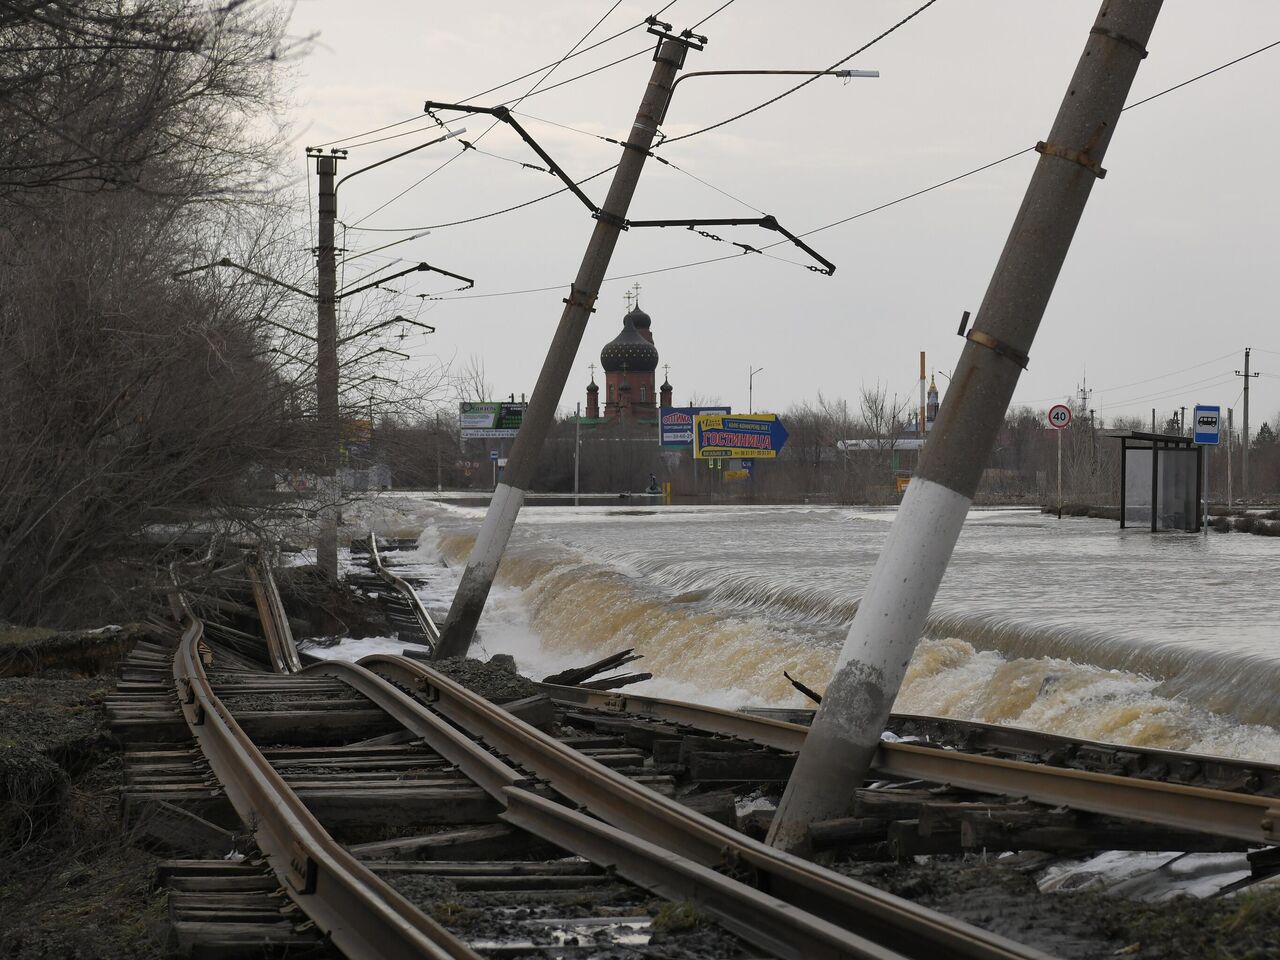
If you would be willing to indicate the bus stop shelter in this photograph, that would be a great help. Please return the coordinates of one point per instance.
(1160, 478)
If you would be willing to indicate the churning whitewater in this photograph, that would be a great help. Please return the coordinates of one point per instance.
(1072, 627)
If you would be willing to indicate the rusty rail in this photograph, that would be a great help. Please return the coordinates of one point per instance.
(420, 613)
(1243, 816)
(892, 925)
(281, 649)
(362, 915)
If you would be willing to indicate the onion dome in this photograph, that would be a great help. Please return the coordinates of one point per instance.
(592, 387)
(642, 322)
(629, 350)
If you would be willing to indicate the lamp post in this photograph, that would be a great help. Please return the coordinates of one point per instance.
(847, 74)
(750, 386)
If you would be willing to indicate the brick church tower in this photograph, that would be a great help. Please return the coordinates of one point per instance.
(629, 362)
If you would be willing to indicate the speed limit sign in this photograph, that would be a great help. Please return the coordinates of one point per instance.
(1059, 416)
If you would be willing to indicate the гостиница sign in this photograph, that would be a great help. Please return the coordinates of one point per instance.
(745, 436)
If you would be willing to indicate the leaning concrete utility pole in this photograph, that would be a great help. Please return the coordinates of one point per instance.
(327, 367)
(839, 749)
(508, 496)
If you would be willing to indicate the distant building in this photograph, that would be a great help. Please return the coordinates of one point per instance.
(630, 363)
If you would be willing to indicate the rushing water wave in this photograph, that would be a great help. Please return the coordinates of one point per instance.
(1072, 628)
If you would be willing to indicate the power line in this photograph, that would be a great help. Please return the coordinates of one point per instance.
(882, 206)
(804, 83)
(495, 213)
(727, 3)
(662, 160)
(1137, 383)
(485, 132)
(1165, 393)
(1028, 150)
(514, 80)
(1207, 73)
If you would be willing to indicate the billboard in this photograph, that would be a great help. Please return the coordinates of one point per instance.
(754, 436)
(489, 421)
(676, 424)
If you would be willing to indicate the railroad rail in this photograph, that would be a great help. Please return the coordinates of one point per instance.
(405, 608)
(1253, 818)
(360, 913)
(895, 925)
(408, 720)
(281, 649)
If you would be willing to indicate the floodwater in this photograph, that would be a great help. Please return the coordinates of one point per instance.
(1071, 626)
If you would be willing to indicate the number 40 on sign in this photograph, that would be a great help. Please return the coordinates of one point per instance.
(1059, 418)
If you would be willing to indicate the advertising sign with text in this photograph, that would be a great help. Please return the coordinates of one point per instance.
(489, 421)
(756, 436)
(676, 428)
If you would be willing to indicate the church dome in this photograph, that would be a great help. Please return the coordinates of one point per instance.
(642, 322)
(629, 349)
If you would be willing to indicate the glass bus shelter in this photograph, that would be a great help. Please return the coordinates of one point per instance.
(1160, 482)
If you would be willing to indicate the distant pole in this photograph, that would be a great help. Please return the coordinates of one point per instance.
(327, 365)
(751, 376)
(482, 565)
(1244, 428)
(1205, 490)
(439, 446)
(1182, 421)
(845, 735)
(922, 394)
(1059, 432)
(1230, 430)
(1153, 419)
(577, 448)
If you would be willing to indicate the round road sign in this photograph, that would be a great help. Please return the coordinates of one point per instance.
(1059, 416)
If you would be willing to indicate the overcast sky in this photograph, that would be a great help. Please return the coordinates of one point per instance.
(1171, 275)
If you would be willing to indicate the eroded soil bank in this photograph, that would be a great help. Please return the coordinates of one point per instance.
(71, 883)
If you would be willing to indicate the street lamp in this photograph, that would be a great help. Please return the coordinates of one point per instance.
(847, 74)
(750, 384)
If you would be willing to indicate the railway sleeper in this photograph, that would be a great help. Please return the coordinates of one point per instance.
(221, 909)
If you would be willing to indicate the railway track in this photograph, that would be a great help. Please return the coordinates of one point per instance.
(386, 811)
(1182, 792)
(1193, 798)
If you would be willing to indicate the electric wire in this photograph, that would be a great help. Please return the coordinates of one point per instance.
(917, 193)
(494, 213)
(804, 83)
(514, 80)
(1164, 394)
(486, 130)
(662, 160)
(1138, 383)
(727, 3)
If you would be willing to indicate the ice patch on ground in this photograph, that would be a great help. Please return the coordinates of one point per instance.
(1151, 876)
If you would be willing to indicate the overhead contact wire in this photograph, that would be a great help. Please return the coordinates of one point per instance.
(804, 83)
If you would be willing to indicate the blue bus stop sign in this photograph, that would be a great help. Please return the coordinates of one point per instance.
(1208, 425)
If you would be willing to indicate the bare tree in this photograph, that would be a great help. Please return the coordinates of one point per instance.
(137, 139)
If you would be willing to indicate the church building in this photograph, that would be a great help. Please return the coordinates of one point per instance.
(630, 363)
